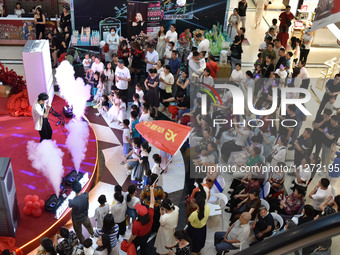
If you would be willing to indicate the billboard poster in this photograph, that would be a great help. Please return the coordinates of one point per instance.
(155, 16)
(137, 18)
(327, 12)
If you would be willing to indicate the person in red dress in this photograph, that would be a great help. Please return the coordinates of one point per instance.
(212, 65)
(286, 17)
(283, 35)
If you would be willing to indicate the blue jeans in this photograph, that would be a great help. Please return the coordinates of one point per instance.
(234, 61)
(126, 148)
(220, 245)
(181, 112)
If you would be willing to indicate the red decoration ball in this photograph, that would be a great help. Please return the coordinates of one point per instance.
(27, 210)
(36, 212)
(36, 205)
(35, 198)
(42, 203)
(28, 198)
(29, 204)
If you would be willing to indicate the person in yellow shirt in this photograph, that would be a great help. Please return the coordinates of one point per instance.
(197, 229)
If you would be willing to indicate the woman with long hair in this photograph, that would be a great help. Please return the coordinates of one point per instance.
(124, 52)
(104, 245)
(137, 55)
(118, 211)
(39, 21)
(109, 228)
(197, 228)
(168, 223)
(161, 44)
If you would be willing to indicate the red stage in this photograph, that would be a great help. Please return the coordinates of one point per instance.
(15, 132)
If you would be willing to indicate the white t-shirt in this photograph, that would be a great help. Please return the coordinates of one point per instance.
(122, 73)
(144, 117)
(156, 169)
(263, 46)
(100, 213)
(305, 175)
(126, 133)
(152, 57)
(320, 196)
(97, 67)
(141, 95)
(308, 38)
(118, 211)
(167, 78)
(204, 45)
(172, 36)
(236, 76)
(208, 80)
(303, 73)
(134, 200)
(87, 62)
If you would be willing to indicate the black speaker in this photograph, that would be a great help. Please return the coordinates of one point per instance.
(9, 209)
(68, 111)
(72, 176)
(52, 203)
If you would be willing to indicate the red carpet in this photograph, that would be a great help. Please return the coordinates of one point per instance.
(14, 134)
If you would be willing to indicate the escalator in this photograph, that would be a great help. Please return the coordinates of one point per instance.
(324, 232)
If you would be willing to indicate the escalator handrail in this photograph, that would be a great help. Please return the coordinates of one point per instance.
(269, 245)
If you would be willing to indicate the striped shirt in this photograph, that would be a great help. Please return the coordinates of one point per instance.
(113, 235)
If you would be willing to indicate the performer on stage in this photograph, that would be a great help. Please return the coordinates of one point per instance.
(40, 112)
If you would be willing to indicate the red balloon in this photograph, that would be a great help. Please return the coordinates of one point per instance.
(36, 212)
(27, 210)
(35, 198)
(29, 204)
(42, 203)
(28, 198)
(36, 205)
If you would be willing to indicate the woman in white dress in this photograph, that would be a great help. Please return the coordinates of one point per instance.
(110, 74)
(168, 222)
(161, 44)
(260, 6)
(114, 110)
(122, 110)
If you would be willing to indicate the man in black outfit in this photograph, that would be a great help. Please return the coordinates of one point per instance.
(332, 89)
(319, 125)
(40, 112)
(80, 207)
(302, 146)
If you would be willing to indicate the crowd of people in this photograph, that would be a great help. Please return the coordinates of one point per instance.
(165, 74)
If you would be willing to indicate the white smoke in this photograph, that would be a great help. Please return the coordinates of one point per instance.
(47, 158)
(76, 141)
(75, 92)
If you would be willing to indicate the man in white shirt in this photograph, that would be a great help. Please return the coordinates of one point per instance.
(306, 42)
(204, 44)
(303, 75)
(303, 174)
(151, 57)
(171, 35)
(122, 74)
(97, 66)
(194, 67)
(40, 112)
(320, 193)
(236, 234)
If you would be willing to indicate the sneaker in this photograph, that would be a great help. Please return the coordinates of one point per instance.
(140, 187)
(128, 172)
(122, 163)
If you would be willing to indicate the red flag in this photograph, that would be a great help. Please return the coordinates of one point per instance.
(167, 136)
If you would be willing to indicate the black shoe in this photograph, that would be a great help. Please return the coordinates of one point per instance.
(230, 192)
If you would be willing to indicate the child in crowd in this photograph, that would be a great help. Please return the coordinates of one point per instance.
(146, 179)
(156, 169)
(131, 201)
(126, 137)
(258, 60)
(100, 89)
(88, 249)
(136, 100)
(203, 158)
(134, 108)
(87, 62)
(94, 83)
(122, 110)
(101, 211)
(134, 131)
(275, 26)
(118, 210)
(114, 110)
(132, 158)
(102, 106)
(140, 92)
(289, 65)
(110, 76)
(145, 115)
(143, 161)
